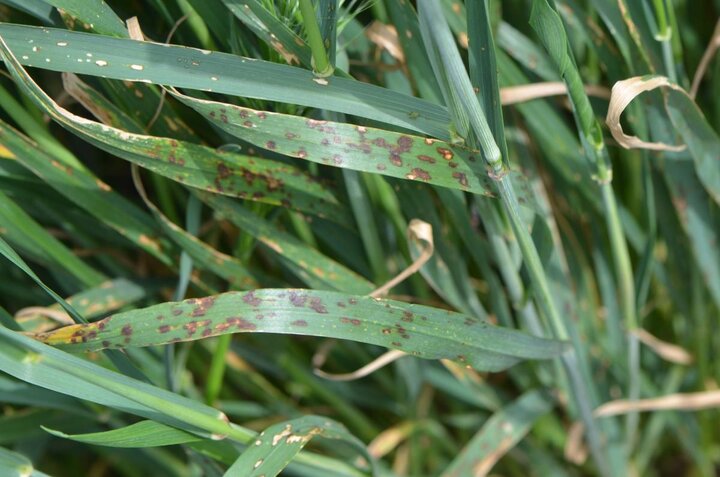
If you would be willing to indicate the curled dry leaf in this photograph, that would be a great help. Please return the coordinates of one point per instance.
(32, 312)
(671, 402)
(623, 92)
(705, 60)
(667, 351)
(386, 38)
(528, 92)
(417, 231)
(575, 449)
(390, 438)
(378, 363)
(134, 30)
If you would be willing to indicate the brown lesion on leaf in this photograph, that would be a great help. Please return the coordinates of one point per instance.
(461, 178)
(164, 328)
(127, 330)
(300, 323)
(317, 305)
(202, 305)
(404, 143)
(351, 321)
(223, 171)
(426, 158)
(297, 299)
(243, 324)
(418, 173)
(191, 328)
(290, 58)
(447, 154)
(251, 299)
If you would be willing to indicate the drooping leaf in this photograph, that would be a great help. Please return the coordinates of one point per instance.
(192, 164)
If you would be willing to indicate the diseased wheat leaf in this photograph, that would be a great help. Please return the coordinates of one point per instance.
(353, 147)
(419, 330)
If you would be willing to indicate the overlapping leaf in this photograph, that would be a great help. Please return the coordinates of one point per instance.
(220, 72)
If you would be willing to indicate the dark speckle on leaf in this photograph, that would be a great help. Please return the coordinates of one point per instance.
(297, 299)
(251, 299)
(418, 173)
(461, 178)
(317, 305)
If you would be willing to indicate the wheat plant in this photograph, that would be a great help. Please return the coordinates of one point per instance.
(359, 238)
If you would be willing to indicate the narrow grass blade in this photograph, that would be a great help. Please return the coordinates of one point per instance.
(11, 255)
(272, 31)
(498, 435)
(87, 191)
(225, 266)
(406, 24)
(702, 141)
(23, 231)
(53, 369)
(108, 296)
(699, 219)
(309, 264)
(140, 434)
(277, 445)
